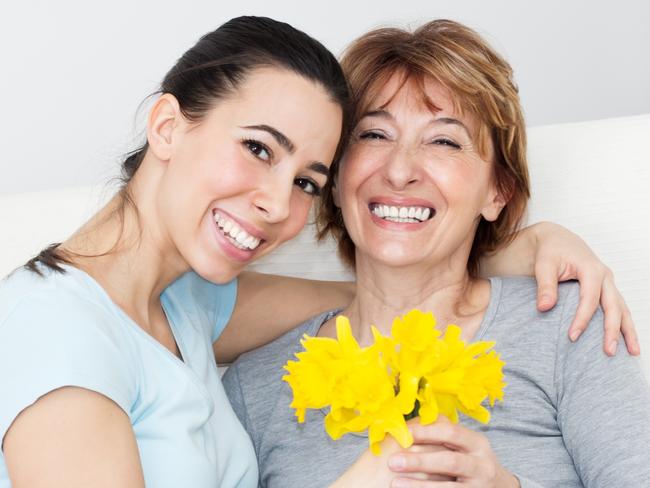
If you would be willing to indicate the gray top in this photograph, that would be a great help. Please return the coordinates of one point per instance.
(572, 417)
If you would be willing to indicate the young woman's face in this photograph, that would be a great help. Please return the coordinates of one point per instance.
(412, 185)
(241, 181)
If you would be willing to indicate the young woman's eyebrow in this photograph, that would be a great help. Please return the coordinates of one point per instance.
(319, 167)
(283, 140)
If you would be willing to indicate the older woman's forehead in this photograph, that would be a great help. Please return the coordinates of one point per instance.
(424, 91)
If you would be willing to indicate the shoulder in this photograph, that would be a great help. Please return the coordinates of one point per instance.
(51, 303)
(522, 331)
(517, 297)
(209, 304)
(55, 332)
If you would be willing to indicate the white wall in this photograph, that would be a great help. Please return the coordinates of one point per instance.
(74, 73)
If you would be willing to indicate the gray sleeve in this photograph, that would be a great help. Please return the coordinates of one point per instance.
(233, 389)
(603, 406)
(526, 483)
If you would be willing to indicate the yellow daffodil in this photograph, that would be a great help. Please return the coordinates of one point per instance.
(415, 371)
(464, 378)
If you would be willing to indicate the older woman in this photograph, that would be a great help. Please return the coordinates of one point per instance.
(434, 178)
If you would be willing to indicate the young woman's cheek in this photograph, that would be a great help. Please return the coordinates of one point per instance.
(298, 215)
(233, 173)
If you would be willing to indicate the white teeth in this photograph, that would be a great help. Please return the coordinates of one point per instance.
(238, 236)
(401, 214)
(399, 219)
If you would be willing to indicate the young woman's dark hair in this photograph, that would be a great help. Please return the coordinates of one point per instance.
(214, 68)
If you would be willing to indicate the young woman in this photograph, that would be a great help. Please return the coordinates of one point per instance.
(107, 365)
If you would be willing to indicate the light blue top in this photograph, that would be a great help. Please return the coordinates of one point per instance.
(64, 330)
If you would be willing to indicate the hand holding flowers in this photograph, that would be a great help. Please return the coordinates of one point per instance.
(467, 458)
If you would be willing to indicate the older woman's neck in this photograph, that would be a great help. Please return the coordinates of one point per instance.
(446, 290)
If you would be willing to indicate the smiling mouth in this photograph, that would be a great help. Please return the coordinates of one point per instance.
(410, 215)
(235, 234)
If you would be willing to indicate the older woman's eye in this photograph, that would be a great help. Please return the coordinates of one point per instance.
(258, 149)
(308, 185)
(371, 134)
(446, 142)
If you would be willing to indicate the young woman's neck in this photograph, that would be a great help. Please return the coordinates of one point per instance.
(444, 288)
(133, 262)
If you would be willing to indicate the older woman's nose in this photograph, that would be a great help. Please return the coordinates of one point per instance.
(402, 168)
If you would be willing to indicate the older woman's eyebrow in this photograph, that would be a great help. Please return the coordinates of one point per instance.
(384, 114)
(452, 121)
(283, 140)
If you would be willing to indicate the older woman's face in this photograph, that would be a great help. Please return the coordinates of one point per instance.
(413, 186)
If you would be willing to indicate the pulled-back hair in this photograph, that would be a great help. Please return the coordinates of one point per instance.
(214, 68)
(480, 83)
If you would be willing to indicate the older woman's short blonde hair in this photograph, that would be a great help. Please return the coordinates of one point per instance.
(479, 81)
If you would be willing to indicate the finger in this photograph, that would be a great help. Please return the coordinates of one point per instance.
(546, 273)
(629, 333)
(443, 432)
(589, 298)
(411, 483)
(444, 463)
(610, 301)
(613, 322)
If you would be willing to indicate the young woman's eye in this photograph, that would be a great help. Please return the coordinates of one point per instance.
(258, 149)
(308, 186)
(446, 142)
(371, 134)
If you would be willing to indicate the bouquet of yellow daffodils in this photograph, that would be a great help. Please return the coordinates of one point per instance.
(415, 371)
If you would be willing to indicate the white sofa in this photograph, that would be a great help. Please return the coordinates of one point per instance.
(593, 177)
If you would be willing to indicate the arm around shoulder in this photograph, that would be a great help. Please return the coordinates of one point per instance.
(268, 306)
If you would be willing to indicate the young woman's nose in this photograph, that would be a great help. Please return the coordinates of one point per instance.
(273, 198)
(401, 168)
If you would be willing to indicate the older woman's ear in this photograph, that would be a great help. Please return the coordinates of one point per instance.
(494, 203)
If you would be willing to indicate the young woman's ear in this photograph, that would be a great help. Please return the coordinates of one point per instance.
(163, 119)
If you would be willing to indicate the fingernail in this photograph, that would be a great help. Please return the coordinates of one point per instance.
(399, 483)
(574, 335)
(612, 347)
(397, 462)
